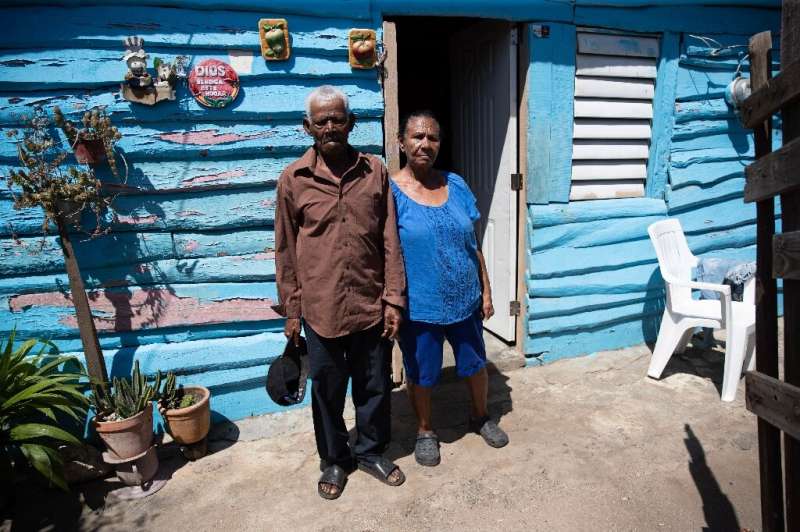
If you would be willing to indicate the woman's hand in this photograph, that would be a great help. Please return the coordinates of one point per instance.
(487, 309)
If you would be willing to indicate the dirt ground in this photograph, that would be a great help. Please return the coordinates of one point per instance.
(595, 445)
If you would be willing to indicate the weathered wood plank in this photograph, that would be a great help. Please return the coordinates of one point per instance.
(663, 116)
(592, 233)
(698, 195)
(317, 8)
(775, 401)
(615, 66)
(695, 83)
(769, 438)
(602, 170)
(589, 211)
(34, 70)
(263, 100)
(79, 27)
(689, 19)
(132, 309)
(569, 261)
(709, 127)
(714, 109)
(707, 173)
(778, 92)
(774, 174)
(181, 141)
(602, 149)
(607, 189)
(602, 108)
(627, 45)
(786, 255)
(235, 268)
(622, 280)
(197, 211)
(597, 318)
(39, 255)
(588, 128)
(596, 87)
(548, 307)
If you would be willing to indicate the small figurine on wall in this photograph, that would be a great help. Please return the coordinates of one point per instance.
(274, 34)
(139, 86)
(362, 48)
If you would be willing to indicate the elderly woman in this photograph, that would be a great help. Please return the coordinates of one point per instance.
(448, 286)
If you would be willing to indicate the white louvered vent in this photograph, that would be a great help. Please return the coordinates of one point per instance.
(614, 86)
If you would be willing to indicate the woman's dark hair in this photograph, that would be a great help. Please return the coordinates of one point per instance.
(422, 113)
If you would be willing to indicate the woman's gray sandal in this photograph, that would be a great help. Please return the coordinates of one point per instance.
(426, 450)
(491, 432)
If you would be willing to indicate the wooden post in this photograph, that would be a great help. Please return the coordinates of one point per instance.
(391, 146)
(790, 215)
(95, 363)
(769, 437)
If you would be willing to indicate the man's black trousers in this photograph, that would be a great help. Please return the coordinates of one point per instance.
(366, 358)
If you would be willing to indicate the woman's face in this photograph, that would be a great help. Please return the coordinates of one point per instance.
(421, 142)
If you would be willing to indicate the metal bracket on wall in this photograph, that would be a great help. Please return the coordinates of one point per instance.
(514, 308)
(516, 181)
(541, 30)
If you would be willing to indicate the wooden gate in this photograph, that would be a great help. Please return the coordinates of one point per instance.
(776, 402)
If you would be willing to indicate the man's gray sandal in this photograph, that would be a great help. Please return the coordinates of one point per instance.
(333, 476)
(382, 468)
(426, 450)
(492, 434)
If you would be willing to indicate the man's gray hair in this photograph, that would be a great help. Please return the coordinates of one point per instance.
(326, 93)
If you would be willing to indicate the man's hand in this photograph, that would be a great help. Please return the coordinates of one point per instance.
(391, 322)
(292, 330)
(487, 309)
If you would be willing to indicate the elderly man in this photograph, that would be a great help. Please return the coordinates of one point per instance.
(340, 269)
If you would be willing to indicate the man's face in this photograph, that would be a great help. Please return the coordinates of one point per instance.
(330, 126)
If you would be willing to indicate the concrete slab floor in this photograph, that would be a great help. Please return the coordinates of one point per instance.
(595, 445)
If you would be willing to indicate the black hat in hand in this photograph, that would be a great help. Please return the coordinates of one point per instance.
(287, 375)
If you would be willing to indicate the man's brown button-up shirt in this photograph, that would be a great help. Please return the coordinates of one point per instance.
(337, 250)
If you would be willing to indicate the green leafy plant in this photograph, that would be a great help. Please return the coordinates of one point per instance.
(32, 393)
(126, 397)
(173, 396)
(45, 181)
(96, 127)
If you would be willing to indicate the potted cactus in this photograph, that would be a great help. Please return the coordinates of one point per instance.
(186, 411)
(124, 413)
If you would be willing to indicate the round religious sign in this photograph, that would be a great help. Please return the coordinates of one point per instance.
(214, 83)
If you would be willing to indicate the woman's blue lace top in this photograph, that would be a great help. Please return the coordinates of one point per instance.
(440, 254)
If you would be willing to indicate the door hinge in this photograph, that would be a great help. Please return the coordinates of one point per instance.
(541, 30)
(514, 308)
(516, 181)
(514, 36)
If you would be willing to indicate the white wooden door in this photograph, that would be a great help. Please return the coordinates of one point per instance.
(484, 129)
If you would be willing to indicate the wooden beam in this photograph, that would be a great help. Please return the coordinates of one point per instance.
(391, 88)
(95, 363)
(790, 219)
(765, 102)
(775, 401)
(773, 174)
(786, 255)
(769, 438)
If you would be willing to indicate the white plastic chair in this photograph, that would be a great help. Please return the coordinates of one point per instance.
(682, 313)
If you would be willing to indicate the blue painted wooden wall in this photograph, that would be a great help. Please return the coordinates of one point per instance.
(186, 279)
(593, 280)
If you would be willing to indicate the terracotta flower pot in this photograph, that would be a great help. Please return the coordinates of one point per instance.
(90, 151)
(129, 437)
(190, 425)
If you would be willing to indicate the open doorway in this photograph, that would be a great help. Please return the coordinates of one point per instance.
(465, 71)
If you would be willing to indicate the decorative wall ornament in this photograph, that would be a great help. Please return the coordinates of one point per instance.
(214, 83)
(362, 48)
(274, 35)
(139, 85)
